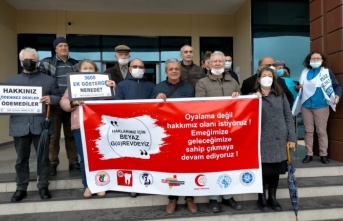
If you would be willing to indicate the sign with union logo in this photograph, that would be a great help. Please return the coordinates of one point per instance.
(195, 146)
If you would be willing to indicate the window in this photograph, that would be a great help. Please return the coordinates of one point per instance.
(41, 42)
(280, 29)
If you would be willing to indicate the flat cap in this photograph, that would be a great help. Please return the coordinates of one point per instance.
(122, 48)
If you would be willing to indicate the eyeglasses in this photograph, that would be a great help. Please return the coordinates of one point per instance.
(267, 65)
(316, 59)
(137, 66)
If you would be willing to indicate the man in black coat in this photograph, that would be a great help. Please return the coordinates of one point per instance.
(26, 129)
(249, 83)
(120, 70)
(228, 68)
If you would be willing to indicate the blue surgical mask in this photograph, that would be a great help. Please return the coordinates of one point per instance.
(228, 64)
(280, 72)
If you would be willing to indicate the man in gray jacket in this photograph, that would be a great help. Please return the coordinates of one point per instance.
(26, 128)
(190, 72)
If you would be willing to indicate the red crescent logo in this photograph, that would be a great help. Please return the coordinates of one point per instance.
(200, 180)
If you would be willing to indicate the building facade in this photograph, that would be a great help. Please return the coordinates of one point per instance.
(284, 29)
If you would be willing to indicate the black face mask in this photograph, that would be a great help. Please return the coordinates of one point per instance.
(29, 65)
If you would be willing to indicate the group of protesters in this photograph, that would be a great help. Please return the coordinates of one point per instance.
(185, 79)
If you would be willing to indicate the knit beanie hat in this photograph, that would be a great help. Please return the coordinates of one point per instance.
(59, 40)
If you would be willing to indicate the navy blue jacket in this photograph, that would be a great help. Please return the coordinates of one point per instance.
(134, 88)
(184, 90)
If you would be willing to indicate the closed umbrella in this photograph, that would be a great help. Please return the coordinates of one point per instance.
(44, 141)
(292, 184)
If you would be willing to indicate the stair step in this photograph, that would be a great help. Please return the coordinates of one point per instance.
(63, 180)
(307, 187)
(72, 179)
(314, 208)
(72, 199)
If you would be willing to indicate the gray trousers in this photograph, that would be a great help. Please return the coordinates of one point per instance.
(23, 149)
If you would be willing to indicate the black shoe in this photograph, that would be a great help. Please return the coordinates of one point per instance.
(307, 159)
(18, 195)
(133, 195)
(214, 206)
(53, 169)
(273, 203)
(44, 193)
(232, 203)
(262, 202)
(75, 166)
(324, 159)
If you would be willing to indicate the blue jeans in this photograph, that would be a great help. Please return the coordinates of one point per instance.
(78, 141)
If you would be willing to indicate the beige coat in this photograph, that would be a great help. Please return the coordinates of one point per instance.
(210, 86)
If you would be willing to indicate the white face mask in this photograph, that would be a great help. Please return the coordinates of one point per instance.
(266, 81)
(137, 73)
(87, 71)
(315, 64)
(217, 71)
(123, 61)
(228, 64)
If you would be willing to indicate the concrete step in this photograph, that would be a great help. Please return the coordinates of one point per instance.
(72, 200)
(314, 208)
(316, 168)
(63, 180)
(72, 179)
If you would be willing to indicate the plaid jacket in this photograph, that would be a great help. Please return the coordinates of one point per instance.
(48, 65)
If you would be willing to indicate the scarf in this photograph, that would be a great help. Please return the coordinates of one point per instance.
(322, 80)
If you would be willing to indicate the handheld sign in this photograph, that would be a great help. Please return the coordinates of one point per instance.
(16, 99)
(182, 146)
(89, 86)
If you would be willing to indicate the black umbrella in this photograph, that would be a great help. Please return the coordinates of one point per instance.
(44, 141)
(292, 184)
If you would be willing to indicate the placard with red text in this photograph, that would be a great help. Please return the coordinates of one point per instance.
(197, 146)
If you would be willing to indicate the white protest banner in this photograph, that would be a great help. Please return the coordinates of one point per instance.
(183, 147)
(16, 99)
(89, 86)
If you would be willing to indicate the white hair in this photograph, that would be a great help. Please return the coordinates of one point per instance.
(29, 50)
(217, 53)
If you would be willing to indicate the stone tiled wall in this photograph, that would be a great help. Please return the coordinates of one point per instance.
(326, 33)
